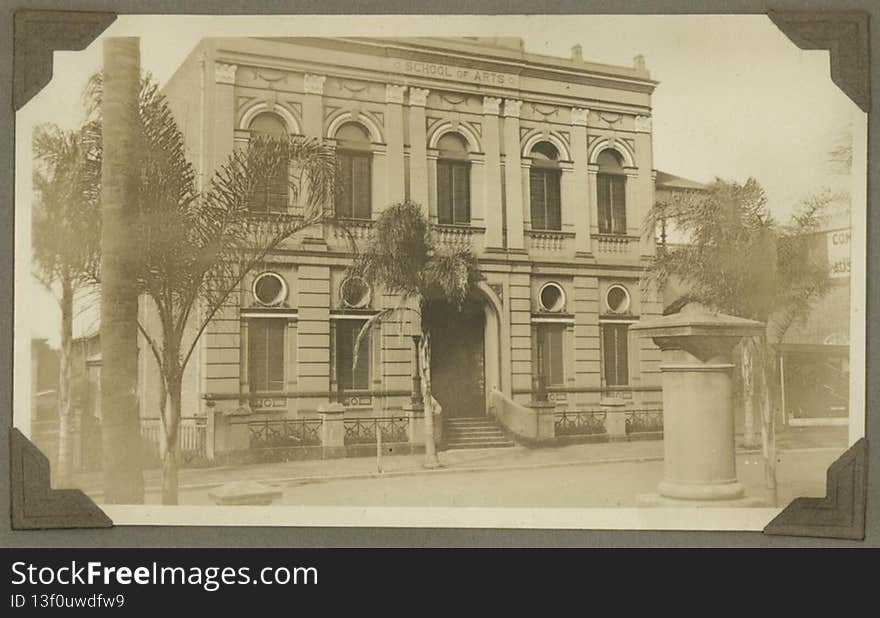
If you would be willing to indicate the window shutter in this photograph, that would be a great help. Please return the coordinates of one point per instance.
(344, 197)
(278, 188)
(275, 354)
(554, 200)
(538, 198)
(346, 336)
(618, 193)
(603, 189)
(361, 189)
(615, 354)
(461, 194)
(266, 354)
(444, 192)
(554, 357)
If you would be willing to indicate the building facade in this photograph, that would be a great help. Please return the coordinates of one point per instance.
(542, 165)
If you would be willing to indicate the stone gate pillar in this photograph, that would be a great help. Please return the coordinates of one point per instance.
(698, 422)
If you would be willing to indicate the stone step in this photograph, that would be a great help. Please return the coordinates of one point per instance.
(475, 438)
(471, 445)
(474, 429)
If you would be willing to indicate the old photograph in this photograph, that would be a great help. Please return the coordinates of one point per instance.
(566, 271)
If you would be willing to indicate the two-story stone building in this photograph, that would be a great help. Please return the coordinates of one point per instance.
(543, 165)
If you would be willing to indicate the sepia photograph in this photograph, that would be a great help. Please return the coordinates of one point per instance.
(500, 271)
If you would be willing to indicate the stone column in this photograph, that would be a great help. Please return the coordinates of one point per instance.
(582, 193)
(418, 154)
(513, 182)
(492, 207)
(699, 459)
(394, 171)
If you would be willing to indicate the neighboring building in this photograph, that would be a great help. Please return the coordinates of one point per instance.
(542, 165)
(814, 353)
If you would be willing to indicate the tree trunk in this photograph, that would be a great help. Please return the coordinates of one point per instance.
(768, 429)
(750, 369)
(170, 446)
(431, 460)
(123, 479)
(65, 414)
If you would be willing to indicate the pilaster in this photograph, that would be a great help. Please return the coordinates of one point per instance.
(513, 182)
(493, 208)
(582, 196)
(418, 154)
(394, 172)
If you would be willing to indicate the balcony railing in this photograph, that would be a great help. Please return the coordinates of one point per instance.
(553, 241)
(457, 235)
(613, 243)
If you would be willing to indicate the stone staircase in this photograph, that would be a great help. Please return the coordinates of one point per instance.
(474, 432)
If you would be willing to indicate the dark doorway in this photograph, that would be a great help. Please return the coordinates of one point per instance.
(457, 358)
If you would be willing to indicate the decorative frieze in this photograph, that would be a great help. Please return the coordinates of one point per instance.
(313, 84)
(224, 73)
(491, 105)
(643, 124)
(579, 116)
(418, 96)
(394, 93)
(512, 108)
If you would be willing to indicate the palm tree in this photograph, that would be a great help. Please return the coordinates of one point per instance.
(403, 258)
(739, 260)
(66, 245)
(197, 246)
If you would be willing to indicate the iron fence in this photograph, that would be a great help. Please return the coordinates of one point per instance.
(285, 433)
(363, 430)
(580, 422)
(644, 421)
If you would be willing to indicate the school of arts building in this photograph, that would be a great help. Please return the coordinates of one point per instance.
(542, 165)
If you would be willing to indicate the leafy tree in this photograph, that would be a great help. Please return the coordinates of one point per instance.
(195, 247)
(65, 244)
(403, 257)
(737, 259)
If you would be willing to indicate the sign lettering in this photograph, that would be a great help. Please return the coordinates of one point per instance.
(446, 71)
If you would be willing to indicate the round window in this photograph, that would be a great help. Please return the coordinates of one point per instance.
(551, 297)
(355, 293)
(617, 299)
(269, 289)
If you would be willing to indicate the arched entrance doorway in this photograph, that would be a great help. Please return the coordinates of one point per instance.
(458, 357)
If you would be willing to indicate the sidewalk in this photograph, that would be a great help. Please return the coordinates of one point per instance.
(454, 461)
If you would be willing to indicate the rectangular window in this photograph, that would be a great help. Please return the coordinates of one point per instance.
(347, 376)
(453, 192)
(266, 354)
(611, 191)
(615, 354)
(355, 193)
(549, 354)
(544, 195)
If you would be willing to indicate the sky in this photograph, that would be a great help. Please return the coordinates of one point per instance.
(736, 98)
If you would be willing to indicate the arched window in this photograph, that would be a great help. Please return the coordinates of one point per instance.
(545, 177)
(354, 199)
(453, 180)
(271, 195)
(611, 191)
